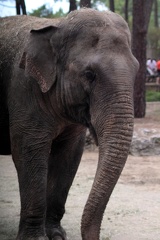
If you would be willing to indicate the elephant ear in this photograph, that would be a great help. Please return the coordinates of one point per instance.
(39, 58)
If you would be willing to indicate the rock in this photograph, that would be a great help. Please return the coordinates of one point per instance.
(145, 147)
(145, 142)
(90, 143)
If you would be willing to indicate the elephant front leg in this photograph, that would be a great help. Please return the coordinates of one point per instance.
(31, 163)
(63, 163)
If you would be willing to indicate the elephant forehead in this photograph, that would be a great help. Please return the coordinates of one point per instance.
(94, 18)
(88, 26)
(100, 38)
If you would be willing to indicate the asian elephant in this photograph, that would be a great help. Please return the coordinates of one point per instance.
(58, 78)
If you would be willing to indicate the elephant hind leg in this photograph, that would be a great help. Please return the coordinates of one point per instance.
(5, 146)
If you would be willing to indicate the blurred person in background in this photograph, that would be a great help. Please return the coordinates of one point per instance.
(158, 72)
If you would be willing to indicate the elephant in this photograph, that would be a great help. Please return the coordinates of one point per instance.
(60, 77)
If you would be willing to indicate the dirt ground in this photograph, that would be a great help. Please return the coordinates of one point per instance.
(133, 212)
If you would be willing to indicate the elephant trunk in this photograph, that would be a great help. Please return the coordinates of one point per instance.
(114, 138)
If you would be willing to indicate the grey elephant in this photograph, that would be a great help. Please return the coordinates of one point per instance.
(57, 80)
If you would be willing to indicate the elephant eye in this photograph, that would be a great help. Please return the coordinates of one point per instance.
(90, 75)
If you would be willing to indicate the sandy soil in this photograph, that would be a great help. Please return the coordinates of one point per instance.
(133, 211)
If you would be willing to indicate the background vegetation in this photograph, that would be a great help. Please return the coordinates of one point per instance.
(152, 96)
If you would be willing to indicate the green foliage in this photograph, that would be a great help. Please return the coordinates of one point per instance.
(153, 38)
(154, 41)
(152, 17)
(60, 13)
(152, 96)
(43, 11)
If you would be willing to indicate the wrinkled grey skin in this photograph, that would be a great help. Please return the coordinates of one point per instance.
(56, 81)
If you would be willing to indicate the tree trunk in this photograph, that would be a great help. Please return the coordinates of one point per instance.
(141, 15)
(20, 5)
(85, 3)
(111, 5)
(73, 5)
(126, 10)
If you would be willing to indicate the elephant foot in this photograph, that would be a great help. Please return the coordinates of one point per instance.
(56, 232)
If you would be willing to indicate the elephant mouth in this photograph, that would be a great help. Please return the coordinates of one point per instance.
(93, 133)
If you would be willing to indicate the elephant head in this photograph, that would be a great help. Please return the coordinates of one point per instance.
(85, 63)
